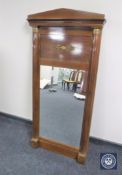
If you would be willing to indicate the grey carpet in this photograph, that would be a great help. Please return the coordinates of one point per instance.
(17, 157)
(61, 116)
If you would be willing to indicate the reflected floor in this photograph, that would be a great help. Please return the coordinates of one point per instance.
(61, 116)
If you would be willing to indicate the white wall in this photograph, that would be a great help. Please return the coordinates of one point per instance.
(46, 73)
(16, 61)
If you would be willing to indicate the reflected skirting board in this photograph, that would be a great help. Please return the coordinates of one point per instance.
(66, 150)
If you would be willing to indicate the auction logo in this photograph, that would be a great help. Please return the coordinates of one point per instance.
(108, 161)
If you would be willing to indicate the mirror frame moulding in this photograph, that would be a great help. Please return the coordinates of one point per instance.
(95, 25)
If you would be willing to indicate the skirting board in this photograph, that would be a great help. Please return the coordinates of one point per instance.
(16, 117)
(93, 139)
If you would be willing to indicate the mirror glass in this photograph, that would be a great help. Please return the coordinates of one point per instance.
(62, 101)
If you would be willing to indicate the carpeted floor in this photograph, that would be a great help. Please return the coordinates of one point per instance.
(17, 157)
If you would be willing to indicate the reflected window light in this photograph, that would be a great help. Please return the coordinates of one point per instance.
(77, 48)
(56, 35)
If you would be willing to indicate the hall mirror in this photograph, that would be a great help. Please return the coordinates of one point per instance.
(62, 100)
(66, 45)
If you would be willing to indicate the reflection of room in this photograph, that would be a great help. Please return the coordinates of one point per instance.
(61, 111)
(75, 80)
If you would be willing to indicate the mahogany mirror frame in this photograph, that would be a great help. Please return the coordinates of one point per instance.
(66, 18)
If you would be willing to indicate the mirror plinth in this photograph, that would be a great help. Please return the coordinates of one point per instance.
(60, 148)
(81, 158)
(35, 142)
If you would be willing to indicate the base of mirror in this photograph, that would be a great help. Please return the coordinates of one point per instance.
(81, 158)
(35, 142)
(66, 150)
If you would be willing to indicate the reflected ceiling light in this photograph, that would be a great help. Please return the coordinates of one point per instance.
(77, 48)
(57, 35)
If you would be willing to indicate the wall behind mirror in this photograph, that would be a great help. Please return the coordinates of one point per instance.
(62, 100)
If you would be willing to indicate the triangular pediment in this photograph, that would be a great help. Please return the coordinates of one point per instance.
(66, 14)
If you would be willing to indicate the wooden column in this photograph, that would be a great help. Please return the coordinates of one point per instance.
(36, 87)
(90, 95)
